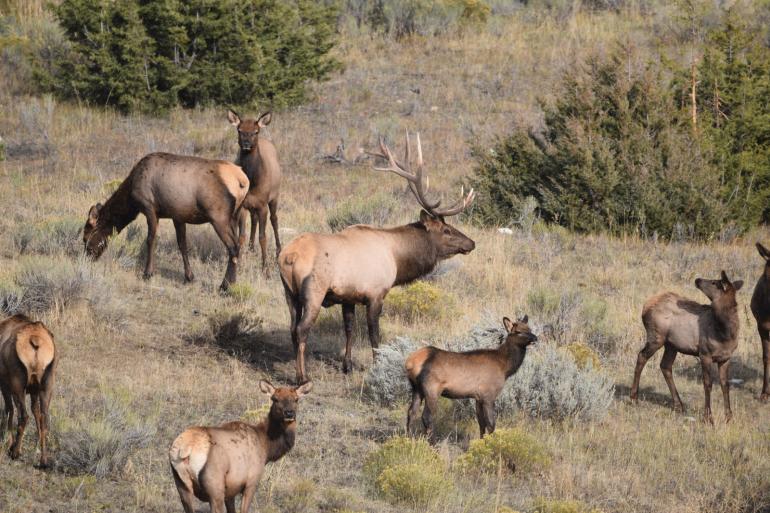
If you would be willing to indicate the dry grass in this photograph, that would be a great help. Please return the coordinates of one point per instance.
(178, 359)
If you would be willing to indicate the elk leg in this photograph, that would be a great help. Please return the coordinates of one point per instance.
(152, 232)
(274, 221)
(414, 408)
(348, 318)
(666, 363)
(226, 233)
(431, 406)
(295, 312)
(7, 425)
(764, 335)
(230, 505)
(481, 418)
(725, 384)
(373, 311)
(262, 212)
(248, 494)
(705, 362)
(653, 344)
(253, 232)
(181, 241)
(309, 315)
(185, 493)
(490, 414)
(21, 424)
(42, 427)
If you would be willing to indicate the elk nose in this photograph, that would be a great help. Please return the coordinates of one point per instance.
(289, 414)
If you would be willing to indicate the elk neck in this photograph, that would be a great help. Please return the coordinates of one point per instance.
(119, 210)
(251, 163)
(279, 437)
(414, 252)
(726, 317)
(513, 356)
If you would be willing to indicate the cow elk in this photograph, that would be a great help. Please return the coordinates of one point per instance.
(760, 307)
(216, 464)
(479, 374)
(188, 190)
(259, 160)
(27, 367)
(360, 264)
(680, 325)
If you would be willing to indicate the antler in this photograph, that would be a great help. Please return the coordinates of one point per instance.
(415, 180)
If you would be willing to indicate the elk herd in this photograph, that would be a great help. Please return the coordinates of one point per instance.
(358, 265)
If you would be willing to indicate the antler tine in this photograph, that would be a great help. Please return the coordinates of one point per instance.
(420, 190)
(407, 155)
(464, 203)
(393, 166)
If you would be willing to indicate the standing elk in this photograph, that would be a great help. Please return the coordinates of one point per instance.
(760, 308)
(27, 366)
(259, 160)
(709, 332)
(479, 374)
(188, 190)
(215, 464)
(360, 264)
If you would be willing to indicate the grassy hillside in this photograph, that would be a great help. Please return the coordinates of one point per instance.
(161, 355)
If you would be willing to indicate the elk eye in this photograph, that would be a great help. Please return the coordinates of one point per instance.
(446, 231)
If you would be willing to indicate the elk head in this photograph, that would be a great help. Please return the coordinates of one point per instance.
(248, 129)
(764, 253)
(447, 239)
(518, 332)
(717, 290)
(94, 238)
(285, 400)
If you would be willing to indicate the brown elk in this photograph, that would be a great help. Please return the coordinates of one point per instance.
(760, 308)
(215, 464)
(188, 190)
(360, 264)
(479, 374)
(709, 332)
(27, 366)
(259, 160)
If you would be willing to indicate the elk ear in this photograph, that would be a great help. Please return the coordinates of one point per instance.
(763, 251)
(524, 319)
(737, 284)
(93, 214)
(304, 389)
(265, 119)
(266, 387)
(429, 220)
(233, 118)
(508, 324)
(725, 279)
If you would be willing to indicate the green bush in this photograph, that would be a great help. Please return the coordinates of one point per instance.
(407, 470)
(513, 449)
(417, 300)
(543, 505)
(404, 18)
(582, 355)
(153, 54)
(616, 154)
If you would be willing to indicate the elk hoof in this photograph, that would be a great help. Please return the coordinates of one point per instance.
(707, 419)
(44, 465)
(251, 247)
(678, 408)
(763, 397)
(189, 278)
(147, 275)
(347, 366)
(14, 452)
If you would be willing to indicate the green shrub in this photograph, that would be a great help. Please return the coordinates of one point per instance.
(543, 505)
(404, 18)
(375, 210)
(582, 355)
(50, 236)
(153, 54)
(419, 299)
(616, 154)
(240, 291)
(407, 470)
(513, 449)
(298, 498)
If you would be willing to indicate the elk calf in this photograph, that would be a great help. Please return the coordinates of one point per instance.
(215, 464)
(478, 374)
(27, 366)
(709, 332)
(760, 307)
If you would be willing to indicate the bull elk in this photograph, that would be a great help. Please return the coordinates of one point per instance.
(259, 160)
(216, 464)
(760, 308)
(479, 374)
(360, 264)
(27, 367)
(709, 332)
(188, 190)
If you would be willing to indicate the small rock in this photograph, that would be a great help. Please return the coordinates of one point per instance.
(505, 231)
(735, 381)
(690, 419)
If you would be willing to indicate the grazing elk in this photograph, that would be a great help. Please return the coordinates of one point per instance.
(361, 263)
(27, 366)
(760, 308)
(259, 160)
(709, 332)
(188, 190)
(215, 464)
(479, 374)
